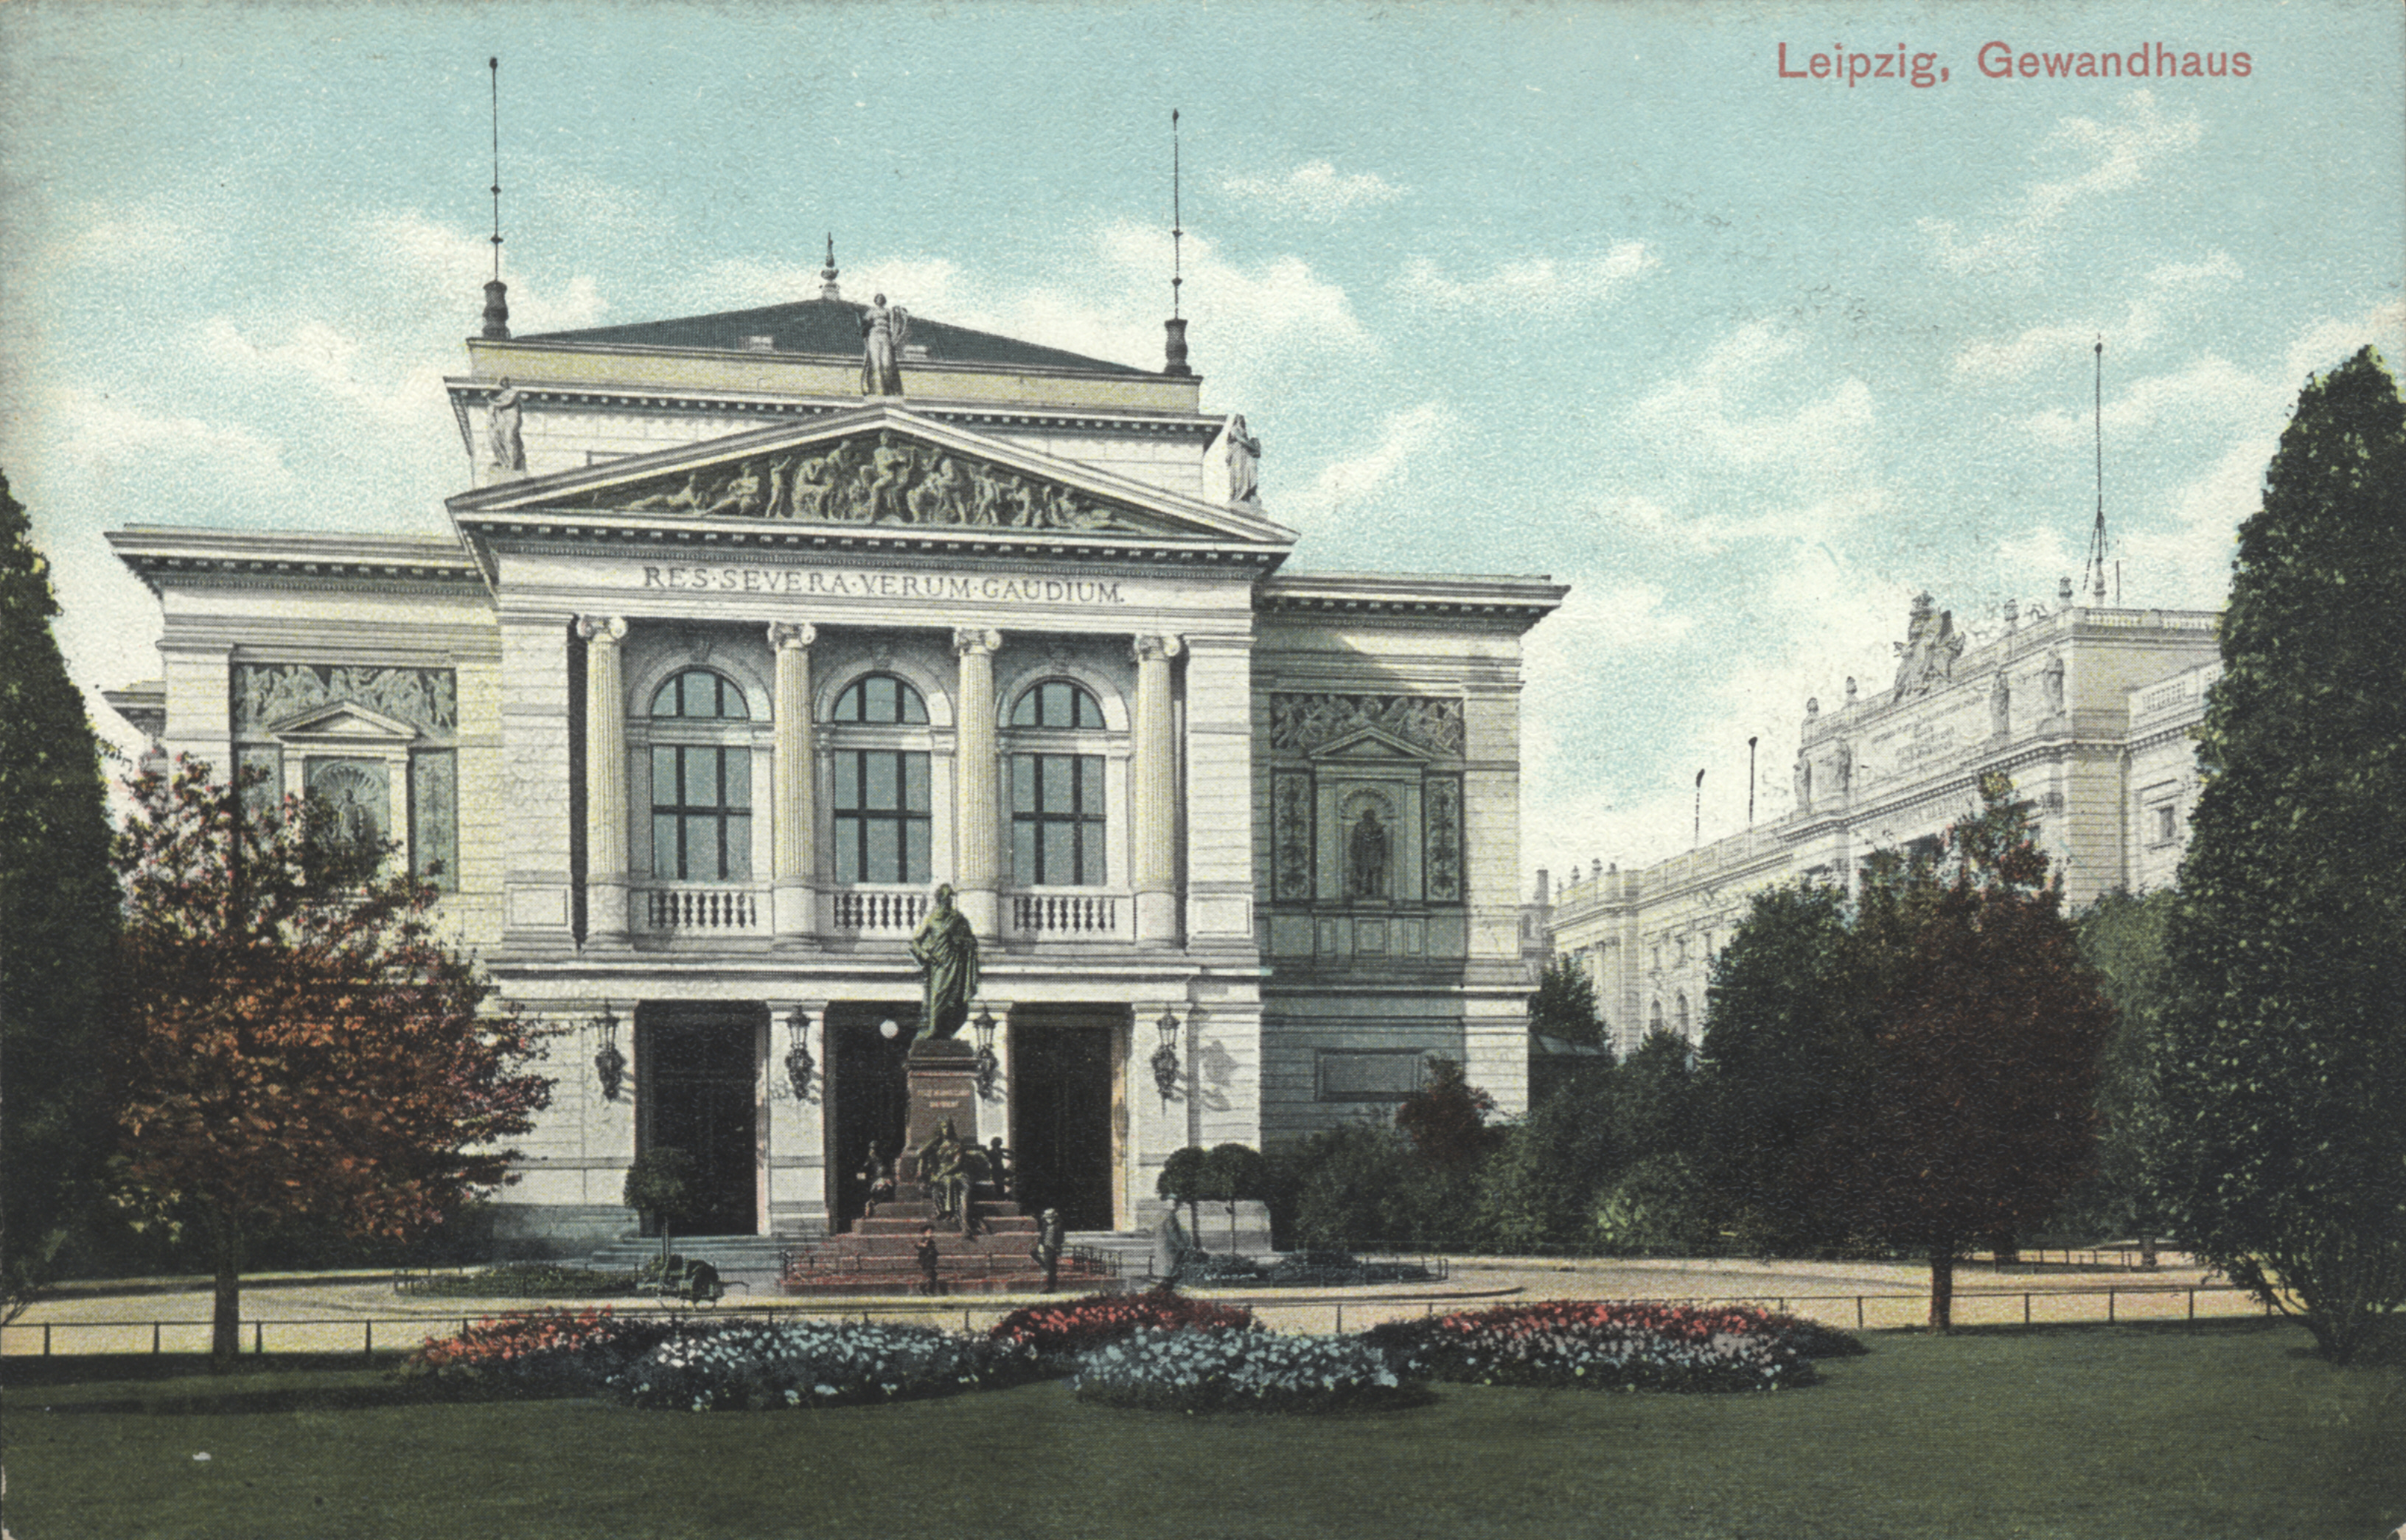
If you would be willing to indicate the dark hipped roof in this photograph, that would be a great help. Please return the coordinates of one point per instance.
(831, 326)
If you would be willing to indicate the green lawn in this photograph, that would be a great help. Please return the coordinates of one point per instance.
(2120, 1433)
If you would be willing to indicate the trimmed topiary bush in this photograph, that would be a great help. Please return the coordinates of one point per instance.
(1231, 1369)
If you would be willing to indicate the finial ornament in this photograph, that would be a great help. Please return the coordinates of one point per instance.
(828, 290)
(1174, 341)
(497, 293)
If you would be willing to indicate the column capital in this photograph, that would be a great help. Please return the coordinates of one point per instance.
(791, 633)
(972, 639)
(595, 626)
(1147, 647)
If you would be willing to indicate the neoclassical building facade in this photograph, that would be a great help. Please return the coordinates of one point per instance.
(739, 646)
(2089, 709)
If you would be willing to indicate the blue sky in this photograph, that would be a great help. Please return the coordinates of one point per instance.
(1588, 291)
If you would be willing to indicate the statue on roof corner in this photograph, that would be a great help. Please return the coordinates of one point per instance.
(884, 329)
(1926, 656)
(504, 437)
(1244, 462)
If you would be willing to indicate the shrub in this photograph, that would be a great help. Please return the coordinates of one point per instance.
(524, 1280)
(1657, 1208)
(1602, 1344)
(1059, 1331)
(1230, 1369)
(755, 1365)
(541, 1353)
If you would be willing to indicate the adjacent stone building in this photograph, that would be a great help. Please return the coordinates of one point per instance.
(751, 631)
(2089, 710)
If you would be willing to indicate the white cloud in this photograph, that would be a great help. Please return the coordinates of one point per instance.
(2208, 391)
(1315, 189)
(113, 450)
(2169, 290)
(445, 266)
(2112, 157)
(1539, 285)
(1699, 430)
(1403, 437)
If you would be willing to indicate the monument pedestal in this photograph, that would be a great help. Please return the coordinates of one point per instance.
(941, 1075)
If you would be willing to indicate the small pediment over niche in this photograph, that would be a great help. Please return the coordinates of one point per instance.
(878, 477)
(341, 722)
(1369, 743)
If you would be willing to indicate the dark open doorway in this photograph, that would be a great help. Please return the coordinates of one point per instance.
(699, 1071)
(1062, 1074)
(866, 1093)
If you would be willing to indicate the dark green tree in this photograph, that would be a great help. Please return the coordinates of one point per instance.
(1537, 1191)
(1234, 1174)
(58, 930)
(1563, 1005)
(1446, 1119)
(1981, 1030)
(664, 1185)
(1652, 1099)
(2122, 939)
(2283, 1065)
(1782, 1058)
(1185, 1179)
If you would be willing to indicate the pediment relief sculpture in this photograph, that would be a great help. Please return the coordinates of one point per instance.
(269, 695)
(879, 479)
(1306, 724)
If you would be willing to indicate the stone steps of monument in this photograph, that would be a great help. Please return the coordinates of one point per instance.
(728, 1253)
(956, 1275)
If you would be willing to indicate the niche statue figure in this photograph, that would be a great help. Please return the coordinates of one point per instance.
(947, 949)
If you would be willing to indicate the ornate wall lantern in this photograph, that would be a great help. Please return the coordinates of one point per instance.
(988, 1067)
(609, 1065)
(1165, 1058)
(799, 1065)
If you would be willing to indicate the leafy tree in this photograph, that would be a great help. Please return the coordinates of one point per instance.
(1234, 1174)
(2283, 1065)
(1565, 1004)
(1652, 1099)
(1352, 1185)
(1780, 1061)
(1655, 1208)
(1981, 1031)
(1184, 1179)
(1446, 1119)
(58, 928)
(299, 1042)
(1538, 1190)
(2122, 938)
(664, 1185)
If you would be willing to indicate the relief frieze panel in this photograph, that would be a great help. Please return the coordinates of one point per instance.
(268, 693)
(880, 479)
(1299, 724)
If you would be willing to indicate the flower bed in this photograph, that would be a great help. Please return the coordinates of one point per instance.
(1229, 1368)
(760, 1365)
(543, 1352)
(1602, 1344)
(1058, 1332)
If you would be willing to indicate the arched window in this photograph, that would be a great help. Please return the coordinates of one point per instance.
(1056, 704)
(1683, 1012)
(881, 699)
(702, 791)
(700, 694)
(1654, 1017)
(882, 797)
(1058, 822)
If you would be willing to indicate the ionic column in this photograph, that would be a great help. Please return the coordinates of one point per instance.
(1153, 795)
(977, 838)
(792, 812)
(606, 779)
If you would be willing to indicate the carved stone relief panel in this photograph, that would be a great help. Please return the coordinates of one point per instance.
(433, 817)
(1441, 814)
(1291, 837)
(1300, 724)
(265, 693)
(359, 794)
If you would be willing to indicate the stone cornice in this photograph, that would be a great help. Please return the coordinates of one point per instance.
(468, 393)
(1517, 603)
(163, 557)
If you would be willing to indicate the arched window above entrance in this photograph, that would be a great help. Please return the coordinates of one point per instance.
(881, 699)
(1056, 704)
(700, 695)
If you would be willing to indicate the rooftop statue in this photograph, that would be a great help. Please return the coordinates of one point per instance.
(1925, 657)
(883, 330)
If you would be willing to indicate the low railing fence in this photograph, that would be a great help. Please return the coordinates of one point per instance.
(701, 908)
(2120, 1303)
(880, 911)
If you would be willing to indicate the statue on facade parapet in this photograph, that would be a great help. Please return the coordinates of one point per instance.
(1244, 462)
(504, 435)
(1926, 656)
(884, 329)
(946, 949)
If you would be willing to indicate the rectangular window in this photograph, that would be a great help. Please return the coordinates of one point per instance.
(880, 816)
(2166, 827)
(1369, 1074)
(701, 813)
(1057, 820)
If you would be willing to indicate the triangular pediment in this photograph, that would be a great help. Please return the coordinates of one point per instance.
(1369, 743)
(342, 720)
(880, 467)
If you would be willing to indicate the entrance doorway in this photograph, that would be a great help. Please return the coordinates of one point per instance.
(867, 1094)
(699, 1073)
(1064, 1078)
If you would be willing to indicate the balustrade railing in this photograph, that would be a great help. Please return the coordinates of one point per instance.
(880, 911)
(691, 909)
(1066, 914)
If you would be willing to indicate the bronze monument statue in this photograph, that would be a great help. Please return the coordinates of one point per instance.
(947, 949)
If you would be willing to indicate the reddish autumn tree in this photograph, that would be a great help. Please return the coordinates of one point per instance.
(1971, 1112)
(301, 1044)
